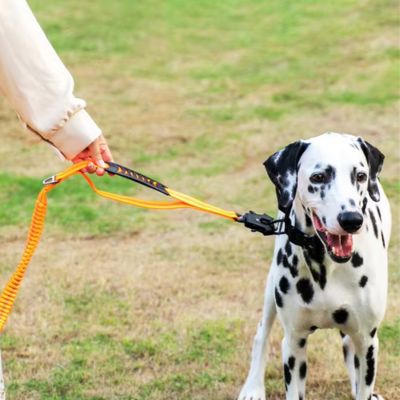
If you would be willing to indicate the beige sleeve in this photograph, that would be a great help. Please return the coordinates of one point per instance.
(38, 85)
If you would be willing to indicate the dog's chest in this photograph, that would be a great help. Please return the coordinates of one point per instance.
(328, 295)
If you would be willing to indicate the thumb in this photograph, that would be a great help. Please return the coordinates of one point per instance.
(95, 153)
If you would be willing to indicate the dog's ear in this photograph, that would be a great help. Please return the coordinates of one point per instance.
(375, 161)
(282, 169)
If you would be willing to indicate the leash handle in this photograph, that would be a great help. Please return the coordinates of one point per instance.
(135, 176)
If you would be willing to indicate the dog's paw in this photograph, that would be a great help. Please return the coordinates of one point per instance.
(251, 391)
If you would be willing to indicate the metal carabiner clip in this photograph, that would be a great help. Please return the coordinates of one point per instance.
(50, 180)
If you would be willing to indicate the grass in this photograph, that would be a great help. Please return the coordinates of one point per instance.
(126, 304)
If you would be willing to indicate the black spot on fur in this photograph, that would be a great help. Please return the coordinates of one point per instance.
(375, 161)
(357, 260)
(324, 220)
(378, 210)
(313, 328)
(364, 206)
(374, 225)
(288, 375)
(369, 377)
(310, 189)
(291, 362)
(278, 298)
(284, 284)
(340, 316)
(356, 361)
(352, 202)
(373, 332)
(322, 276)
(322, 194)
(317, 252)
(305, 289)
(279, 257)
(300, 397)
(308, 221)
(343, 207)
(307, 258)
(292, 267)
(288, 248)
(303, 370)
(363, 281)
(330, 173)
(285, 262)
(383, 240)
(345, 352)
(302, 342)
(353, 174)
(318, 276)
(293, 272)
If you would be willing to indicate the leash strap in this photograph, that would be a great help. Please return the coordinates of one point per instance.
(9, 294)
(256, 222)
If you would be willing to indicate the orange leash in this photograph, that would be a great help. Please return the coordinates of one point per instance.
(181, 200)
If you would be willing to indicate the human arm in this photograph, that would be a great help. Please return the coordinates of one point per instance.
(40, 88)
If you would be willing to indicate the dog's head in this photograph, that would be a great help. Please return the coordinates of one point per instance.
(332, 176)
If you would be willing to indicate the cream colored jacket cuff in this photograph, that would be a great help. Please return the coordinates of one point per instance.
(79, 131)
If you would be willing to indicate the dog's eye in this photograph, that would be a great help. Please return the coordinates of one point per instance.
(318, 178)
(361, 177)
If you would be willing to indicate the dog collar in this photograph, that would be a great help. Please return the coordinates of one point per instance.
(269, 226)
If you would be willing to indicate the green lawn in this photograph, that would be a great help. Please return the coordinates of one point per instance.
(121, 303)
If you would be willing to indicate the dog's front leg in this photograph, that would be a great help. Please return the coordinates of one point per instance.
(294, 357)
(254, 388)
(366, 347)
(352, 362)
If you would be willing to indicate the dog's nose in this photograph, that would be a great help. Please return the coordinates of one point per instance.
(350, 221)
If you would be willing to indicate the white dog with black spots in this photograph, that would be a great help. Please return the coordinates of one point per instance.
(328, 186)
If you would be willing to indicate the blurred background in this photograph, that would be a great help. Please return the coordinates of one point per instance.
(121, 303)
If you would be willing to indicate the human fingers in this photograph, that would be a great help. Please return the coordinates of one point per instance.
(96, 156)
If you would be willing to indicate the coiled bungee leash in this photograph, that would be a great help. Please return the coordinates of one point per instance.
(256, 222)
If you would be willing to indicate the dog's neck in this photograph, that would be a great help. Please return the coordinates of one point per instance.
(317, 260)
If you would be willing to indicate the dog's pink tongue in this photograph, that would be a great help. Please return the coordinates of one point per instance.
(341, 245)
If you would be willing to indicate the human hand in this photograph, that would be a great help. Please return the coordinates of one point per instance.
(98, 153)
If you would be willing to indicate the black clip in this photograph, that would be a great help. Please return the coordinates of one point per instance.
(262, 223)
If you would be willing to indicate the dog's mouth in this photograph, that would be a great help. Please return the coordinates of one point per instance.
(340, 247)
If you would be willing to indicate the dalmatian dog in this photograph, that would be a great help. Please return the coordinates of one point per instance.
(328, 188)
